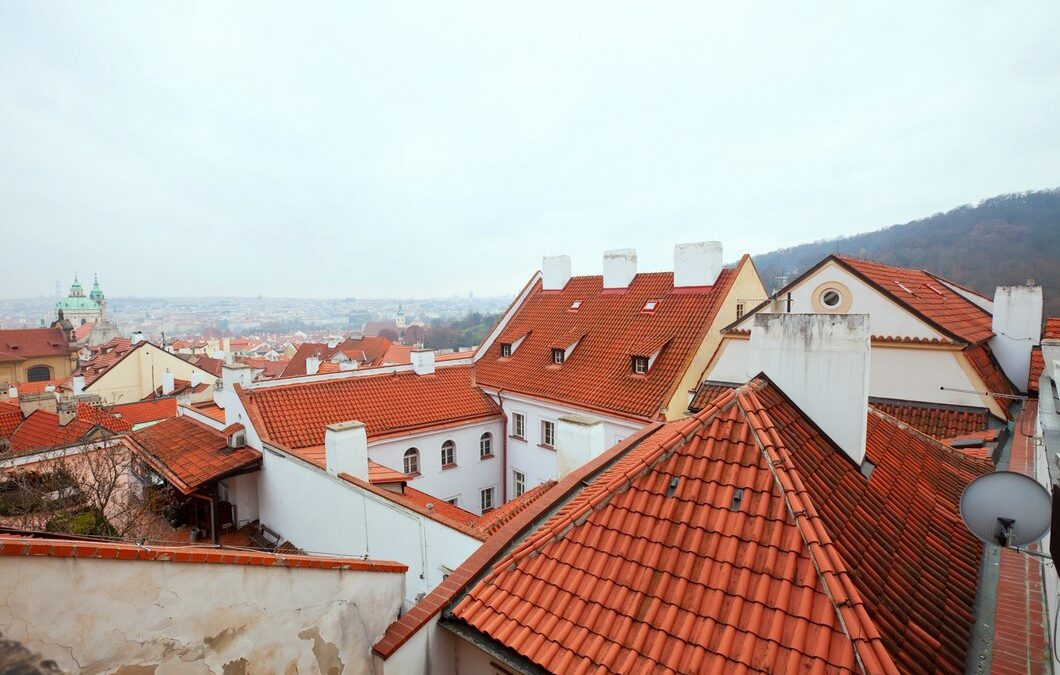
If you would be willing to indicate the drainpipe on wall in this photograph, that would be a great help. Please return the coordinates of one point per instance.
(504, 440)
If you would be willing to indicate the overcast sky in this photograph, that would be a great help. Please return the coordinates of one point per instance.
(320, 150)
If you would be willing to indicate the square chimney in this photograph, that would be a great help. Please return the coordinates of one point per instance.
(698, 264)
(620, 266)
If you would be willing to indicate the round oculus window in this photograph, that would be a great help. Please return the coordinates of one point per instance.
(831, 298)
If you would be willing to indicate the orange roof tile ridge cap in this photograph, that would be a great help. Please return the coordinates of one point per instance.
(813, 531)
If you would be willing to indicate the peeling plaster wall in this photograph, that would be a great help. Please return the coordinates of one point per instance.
(107, 616)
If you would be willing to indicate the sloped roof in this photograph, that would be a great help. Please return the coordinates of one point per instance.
(295, 416)
(146, 411)
(495, 519)
(986, 366)
(368, 351)
(1051, 332)
(17, 344)
(612, 327)
(926, 296)
(813, 567)
(190, 454)
(10, 418)
(41, 429)
(939, 422)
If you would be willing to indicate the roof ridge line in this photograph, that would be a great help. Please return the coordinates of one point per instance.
(815, 536)
(603, 489)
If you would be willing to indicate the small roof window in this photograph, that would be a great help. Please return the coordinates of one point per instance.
(650, 306)
(575, 306)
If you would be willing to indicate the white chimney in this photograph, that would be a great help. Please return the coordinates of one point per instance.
(346, 449)
(137, 337)
(312, 365)
(821, 362)
(227, 348)
(197, 377)
(78, 384)
(579, 438)
(67, 412)
(620, 266)
(12, 392)
(555, 272)
(168, 383)
(1017, 325)
(236, 373)
(697, 264)
(423, 361)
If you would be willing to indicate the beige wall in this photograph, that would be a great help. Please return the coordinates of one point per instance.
(61, 366)
(748, 289)
(104, 616)
(140, 373)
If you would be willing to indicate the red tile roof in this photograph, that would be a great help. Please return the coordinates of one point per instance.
(58, 547)
(432, 507)
(707, 392)
(497, 518)
(812, 567)
(146, 411)
(983, 362)
(379, 474)
(210, 364)
(82, 331)
(17, 344)
(612, 329)
(926, 296)
(10, 418)
(190, 454)
(936, 421)
(210, 409)
(41, 429)
(41, 386)
(295, 416)
(368, 351)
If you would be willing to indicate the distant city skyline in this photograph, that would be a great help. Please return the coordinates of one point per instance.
(431, 149)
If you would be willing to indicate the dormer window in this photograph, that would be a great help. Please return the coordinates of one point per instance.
(506, 349)
(650, 306)
(640, 365)
(575, 306)
(558, 355)
(238, 439)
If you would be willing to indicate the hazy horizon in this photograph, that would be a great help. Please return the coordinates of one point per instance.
(332, 151)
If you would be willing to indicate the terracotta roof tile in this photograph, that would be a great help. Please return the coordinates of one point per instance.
(738, 539)
(612, 328)
(295, 416)
(41, 429)
(190, 454)
(936, 421)
(984, 363)
(1051, 332)
(17, 344)
(495, 519)
(379, 474)
(923, 293)
(10, 418)
(210, 409)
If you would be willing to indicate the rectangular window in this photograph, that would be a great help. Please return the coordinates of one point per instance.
(548, 433)
(739, 310)
(558, 355)
(455, 501)
(640, 364)
(487, 499)
(519, 479)
(506, 350)
(519, 425)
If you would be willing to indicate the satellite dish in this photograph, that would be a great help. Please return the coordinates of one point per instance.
(1006, 508)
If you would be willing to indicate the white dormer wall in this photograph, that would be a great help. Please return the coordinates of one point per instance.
(885, 316)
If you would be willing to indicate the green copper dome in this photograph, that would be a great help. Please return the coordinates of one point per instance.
(76, 303)
(75, 289)
(97, 293)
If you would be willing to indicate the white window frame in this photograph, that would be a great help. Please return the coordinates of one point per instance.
(451, 445)
(485, 442)
(492, 492)
(506, 349)
(645, 361)
(518, 483)
(415, 457)
(544, 437)
(519, 420)
(558, 356)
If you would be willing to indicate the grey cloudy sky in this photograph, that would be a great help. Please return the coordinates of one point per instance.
(392, 149)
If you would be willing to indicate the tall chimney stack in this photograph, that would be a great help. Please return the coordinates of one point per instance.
(821, 362)
(620, 266)
(555, 272)
(579, 438)
(423, 361)
(697, 264)
(168, 383)
(1017, 326)
(312, 365)
(346, 449)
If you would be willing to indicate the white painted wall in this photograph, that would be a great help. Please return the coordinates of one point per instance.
(243, 493)
(732, 365)
(537, 463)
(464, 481)
(322, 513)
(1017, 324)
(169, 617)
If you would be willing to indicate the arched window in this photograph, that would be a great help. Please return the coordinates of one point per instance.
(485, 445)
(412, 461)
(448, 454)
(39, 374)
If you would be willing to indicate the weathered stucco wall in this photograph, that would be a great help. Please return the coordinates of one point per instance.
(103, 616)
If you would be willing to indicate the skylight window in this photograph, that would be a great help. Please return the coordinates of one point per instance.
(575, 306)
(650, 306)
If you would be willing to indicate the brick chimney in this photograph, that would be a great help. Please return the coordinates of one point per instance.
(346, 449)
(620, 266)
(697, 264)
(821, 362)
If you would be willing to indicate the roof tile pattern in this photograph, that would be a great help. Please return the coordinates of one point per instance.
(936, 422)
(610, 328)
(641, 572)
(17, 344)
(295, 416)
(1051, 332)
(983, 362)
(928, 297)
(10, 418)
(190, 454)
(495, 519)
(41, 429)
